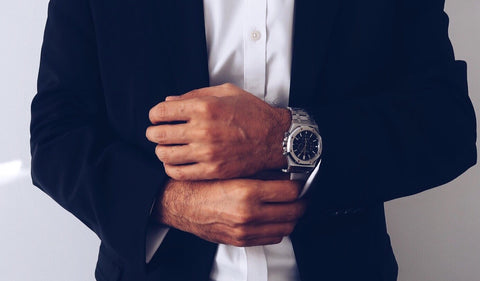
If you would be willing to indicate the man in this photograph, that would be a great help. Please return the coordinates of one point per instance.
(376, 85)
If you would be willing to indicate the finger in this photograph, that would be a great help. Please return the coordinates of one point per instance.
(170, 111)
(278, 212)
(176, 154)
(224, 236)
(257, 241)
(169, 134)
(195, 171)
(251, 232)
(279, 190)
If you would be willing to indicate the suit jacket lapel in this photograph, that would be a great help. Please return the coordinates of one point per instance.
(314, 21)
(178, 30)
(183, 26)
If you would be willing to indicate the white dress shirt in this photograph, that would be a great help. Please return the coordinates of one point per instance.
(249, 44)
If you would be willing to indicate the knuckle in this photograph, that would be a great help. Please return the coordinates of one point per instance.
(209, 107)
(198, 133)
(193, 93)
(181, 107)
(215, 170)
(243, 194)
(213, 108)
(244, 216)
(218, 170)
(254, 186)
(160, 135)
(228, 85)
(239, 243)
(183, 133)
(202, 106)
(209, 134)
(240, 233)
(239, 217)
(209, 154)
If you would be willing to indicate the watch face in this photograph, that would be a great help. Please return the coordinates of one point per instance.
(305, 145)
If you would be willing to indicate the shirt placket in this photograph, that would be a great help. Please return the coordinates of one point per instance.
(257, 269)
(255, 41)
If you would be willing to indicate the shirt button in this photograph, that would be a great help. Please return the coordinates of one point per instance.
(255, 35)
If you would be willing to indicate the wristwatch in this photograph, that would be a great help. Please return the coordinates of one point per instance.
(302, 144)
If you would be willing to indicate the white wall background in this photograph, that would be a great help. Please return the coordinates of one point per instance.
(436, 235)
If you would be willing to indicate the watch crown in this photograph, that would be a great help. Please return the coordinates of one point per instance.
(284, 144)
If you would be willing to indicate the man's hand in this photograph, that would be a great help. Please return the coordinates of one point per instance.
(219, 133)
(239, 212)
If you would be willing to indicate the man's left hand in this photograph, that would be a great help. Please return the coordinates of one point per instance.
(218, 133)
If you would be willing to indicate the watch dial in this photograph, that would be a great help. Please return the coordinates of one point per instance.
(305, 145)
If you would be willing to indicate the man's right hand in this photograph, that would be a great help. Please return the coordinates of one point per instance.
(238, 212)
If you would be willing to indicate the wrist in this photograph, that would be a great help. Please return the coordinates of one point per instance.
(165, 208)
(302, 145)
(275, 159)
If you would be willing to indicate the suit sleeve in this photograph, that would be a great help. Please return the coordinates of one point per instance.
(77, 158)
(409, 138)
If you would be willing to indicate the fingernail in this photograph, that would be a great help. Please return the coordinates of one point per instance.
(170, 98)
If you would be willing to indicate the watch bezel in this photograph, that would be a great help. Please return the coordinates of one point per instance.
(289, 146)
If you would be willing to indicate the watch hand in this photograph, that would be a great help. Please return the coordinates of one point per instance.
(304, 150)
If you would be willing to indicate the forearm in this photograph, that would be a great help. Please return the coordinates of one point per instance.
(240, 212)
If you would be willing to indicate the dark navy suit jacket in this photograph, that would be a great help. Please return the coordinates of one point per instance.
(379, 77)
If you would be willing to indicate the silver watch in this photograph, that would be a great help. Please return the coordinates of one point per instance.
(302, 144)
